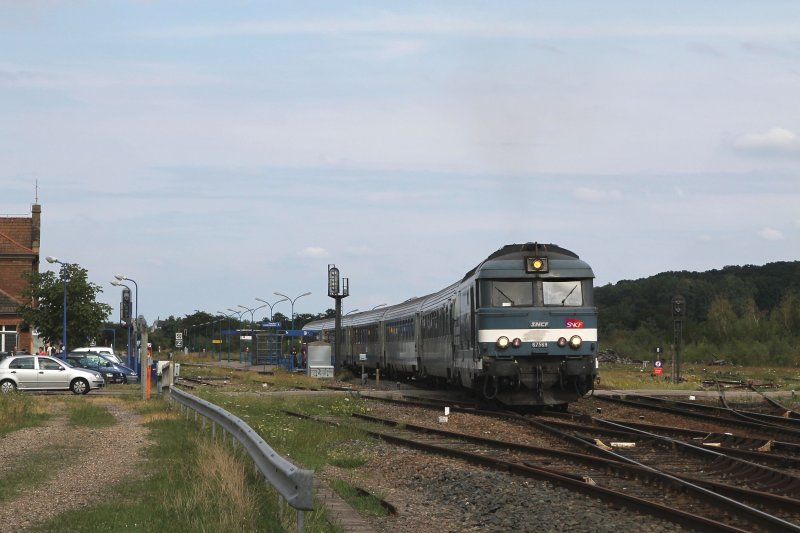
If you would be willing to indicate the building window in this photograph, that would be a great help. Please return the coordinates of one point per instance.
(8, 338)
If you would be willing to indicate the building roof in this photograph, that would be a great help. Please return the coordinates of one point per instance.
(16, 236)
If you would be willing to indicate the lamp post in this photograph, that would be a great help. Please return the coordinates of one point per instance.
(128, 326)
(293, 300)
(252, 322)
(122, 277)
(229, 334)
(51, 259)
(272, 304)
(377, 306)
(353, 311)
(239, 318)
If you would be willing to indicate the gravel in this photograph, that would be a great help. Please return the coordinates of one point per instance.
(94, 463)
(446, 495)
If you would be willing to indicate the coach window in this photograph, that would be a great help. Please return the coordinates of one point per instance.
(563, 293)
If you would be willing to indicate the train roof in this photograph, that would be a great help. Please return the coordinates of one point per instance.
(506, 262)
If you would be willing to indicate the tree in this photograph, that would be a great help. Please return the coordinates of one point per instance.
(85, 316)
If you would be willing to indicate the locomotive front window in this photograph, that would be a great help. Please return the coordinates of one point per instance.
(562, 293)
(508, 293)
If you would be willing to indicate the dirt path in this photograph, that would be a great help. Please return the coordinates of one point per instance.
(94, 459)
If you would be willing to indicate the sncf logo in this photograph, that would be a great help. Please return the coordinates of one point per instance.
(574, 323)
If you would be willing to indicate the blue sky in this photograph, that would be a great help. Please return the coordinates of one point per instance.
(217, 152)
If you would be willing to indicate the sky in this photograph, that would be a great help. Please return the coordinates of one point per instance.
(221, 151)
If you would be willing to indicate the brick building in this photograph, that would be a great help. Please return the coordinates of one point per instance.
(19, 253)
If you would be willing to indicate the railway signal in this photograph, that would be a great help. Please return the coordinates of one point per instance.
(678, 314)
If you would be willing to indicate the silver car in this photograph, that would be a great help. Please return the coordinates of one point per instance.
(31, 372)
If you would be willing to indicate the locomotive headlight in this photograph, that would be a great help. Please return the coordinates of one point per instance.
(562, 342)
(502, 342)
(536, 264)
(516, 343)
(575, 342)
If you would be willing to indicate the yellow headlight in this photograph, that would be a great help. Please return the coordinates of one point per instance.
(502, 342)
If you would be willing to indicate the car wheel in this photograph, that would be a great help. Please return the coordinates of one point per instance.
(8, 386)
(80, 386)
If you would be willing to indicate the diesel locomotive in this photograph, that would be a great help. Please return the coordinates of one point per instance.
(520, 328)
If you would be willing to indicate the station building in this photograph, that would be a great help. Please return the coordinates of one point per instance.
(19, 253)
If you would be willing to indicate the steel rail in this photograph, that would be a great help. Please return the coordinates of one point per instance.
(788, 413)
(660, 405)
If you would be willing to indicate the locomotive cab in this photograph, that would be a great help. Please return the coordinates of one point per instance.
(536, 328)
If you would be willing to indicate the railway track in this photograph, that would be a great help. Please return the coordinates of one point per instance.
(619, 480)
(772, 427)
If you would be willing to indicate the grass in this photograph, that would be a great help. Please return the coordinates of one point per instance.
(365, 503)
(696, 377)
(189, 482)
(32, 469)
(89, 414)
(19, 410)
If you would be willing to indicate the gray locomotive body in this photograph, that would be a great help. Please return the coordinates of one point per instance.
(521, 328)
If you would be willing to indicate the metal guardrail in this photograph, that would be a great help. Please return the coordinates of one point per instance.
(295, 485)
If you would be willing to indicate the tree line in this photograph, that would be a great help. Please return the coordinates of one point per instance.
(748, 314)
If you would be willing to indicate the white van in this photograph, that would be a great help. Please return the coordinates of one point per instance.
(102, 350)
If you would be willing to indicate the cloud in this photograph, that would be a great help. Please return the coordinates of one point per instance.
(314, 252)
(596, 195)
(776, 141)
(771, 234)
(477, 25)
(397, 48)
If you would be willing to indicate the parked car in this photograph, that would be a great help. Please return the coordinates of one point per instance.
(29, 372)
(113, 372)
(102, 350)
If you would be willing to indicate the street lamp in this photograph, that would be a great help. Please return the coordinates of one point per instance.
(271, 304)
(293, 301)
(229, 334)
(122, 277)
(379, 305)
(129, 325)
(353, 311)
(51, 259)
(239, 317)
(252, 321)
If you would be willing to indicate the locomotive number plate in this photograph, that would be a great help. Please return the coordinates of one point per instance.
(539, 344)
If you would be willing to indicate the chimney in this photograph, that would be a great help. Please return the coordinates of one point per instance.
(36, 226)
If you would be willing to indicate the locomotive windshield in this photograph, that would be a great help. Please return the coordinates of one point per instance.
(508, 293)
(528, 293)
(562, 293)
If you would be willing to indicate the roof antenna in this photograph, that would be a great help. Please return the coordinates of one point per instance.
(37, 192)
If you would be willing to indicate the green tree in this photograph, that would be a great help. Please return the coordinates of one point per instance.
(85, 316)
